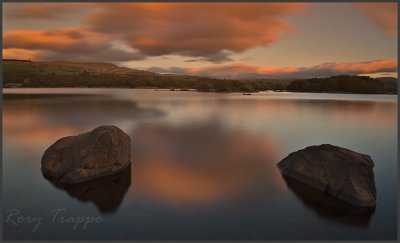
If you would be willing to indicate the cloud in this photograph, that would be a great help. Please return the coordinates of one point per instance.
(57, 40)
(203, 31)
(210, 31)
(200, 32)
(44, 11)
(322, 70)
(68, 44)
(383, 15)
(15, 53)
(170, 70)
(221, 56)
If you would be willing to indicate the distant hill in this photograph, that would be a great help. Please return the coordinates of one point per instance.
(25, 73)
(21, 73)
(345, 84)
(15, 60)
(389, 84)
(69, 68)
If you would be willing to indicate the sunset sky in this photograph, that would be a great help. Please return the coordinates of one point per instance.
(210, 39)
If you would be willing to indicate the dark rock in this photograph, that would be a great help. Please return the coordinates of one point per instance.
(341, 173)
(105, 192)
(328, 207)
(100, 152)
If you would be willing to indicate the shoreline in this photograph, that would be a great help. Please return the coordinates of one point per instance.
(193, 90)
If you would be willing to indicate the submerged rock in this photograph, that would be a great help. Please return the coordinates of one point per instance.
(328, 207)
(341, 173)
(105, 192)
(100, 152)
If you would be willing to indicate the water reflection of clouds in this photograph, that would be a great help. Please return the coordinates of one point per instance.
(255, 114)
(201, 157)
(202, 164)
(366, 112)
(42, 120)
(195, 162)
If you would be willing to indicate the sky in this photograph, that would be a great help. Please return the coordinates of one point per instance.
(227, 40)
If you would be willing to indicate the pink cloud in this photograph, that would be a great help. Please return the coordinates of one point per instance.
(76, 44)
(240, 70)
(383, 15)
(211, 31)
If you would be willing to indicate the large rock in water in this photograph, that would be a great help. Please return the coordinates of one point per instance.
(100, 152)
(340, 172)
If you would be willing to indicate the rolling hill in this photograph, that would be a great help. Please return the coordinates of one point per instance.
(25, 73)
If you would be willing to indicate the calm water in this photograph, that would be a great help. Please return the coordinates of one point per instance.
(204, 164)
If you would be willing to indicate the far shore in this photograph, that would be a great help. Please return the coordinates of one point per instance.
(189, 90)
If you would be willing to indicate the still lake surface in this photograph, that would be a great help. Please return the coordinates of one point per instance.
(203, 166)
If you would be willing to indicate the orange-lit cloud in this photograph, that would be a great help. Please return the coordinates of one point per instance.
(45, 11)
(57, 40)
(382, 14)
(76, 44)
(240, 70)
(192, 32)
(194, 29)
(16, 53)
(211, 31)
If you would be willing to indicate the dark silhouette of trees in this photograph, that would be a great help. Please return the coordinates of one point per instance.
(342, 84)
(44, 75)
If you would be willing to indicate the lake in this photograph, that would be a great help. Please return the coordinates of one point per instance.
(203, 166)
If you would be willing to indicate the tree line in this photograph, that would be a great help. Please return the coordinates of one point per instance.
(27, 75)
(343, 84)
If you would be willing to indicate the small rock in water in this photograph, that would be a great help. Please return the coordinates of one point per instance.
(342, 173)
(100, 152)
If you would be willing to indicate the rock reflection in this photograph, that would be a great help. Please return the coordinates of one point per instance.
(330, 208)
(106, 192)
